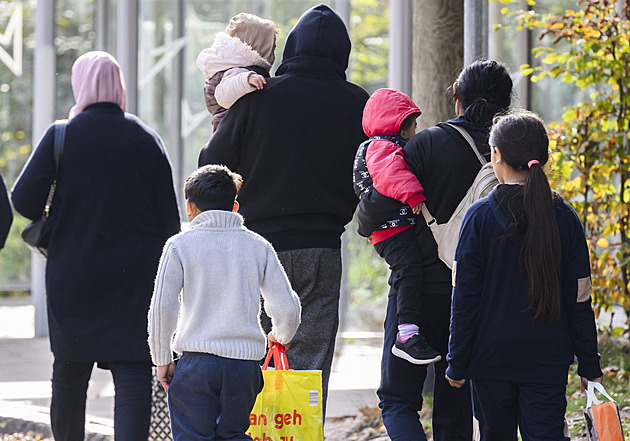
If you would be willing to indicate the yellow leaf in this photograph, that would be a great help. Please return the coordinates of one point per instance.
(602, 243)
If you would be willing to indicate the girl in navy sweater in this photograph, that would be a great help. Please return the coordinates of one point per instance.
(521, 307)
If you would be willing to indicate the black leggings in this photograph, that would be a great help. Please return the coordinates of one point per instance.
(132, 408)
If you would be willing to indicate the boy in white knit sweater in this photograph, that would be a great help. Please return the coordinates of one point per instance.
(207, 295)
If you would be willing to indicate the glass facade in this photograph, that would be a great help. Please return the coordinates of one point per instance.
(170, 86)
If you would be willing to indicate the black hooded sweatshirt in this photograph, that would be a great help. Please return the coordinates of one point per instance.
(294, 141)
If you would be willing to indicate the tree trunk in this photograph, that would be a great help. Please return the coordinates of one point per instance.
(438, 53)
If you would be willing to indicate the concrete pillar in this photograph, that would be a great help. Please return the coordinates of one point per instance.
(43, 115)
(400, 43)
(438, 53)
(127, 49)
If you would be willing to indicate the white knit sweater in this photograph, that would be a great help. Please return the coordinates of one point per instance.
(220, 268)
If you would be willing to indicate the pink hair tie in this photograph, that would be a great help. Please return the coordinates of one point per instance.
(532, 162)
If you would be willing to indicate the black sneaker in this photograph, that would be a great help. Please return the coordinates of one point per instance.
(416, 350)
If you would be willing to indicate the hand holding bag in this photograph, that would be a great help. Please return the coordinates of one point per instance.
(37, 234)
(289, 408)
(602, 419)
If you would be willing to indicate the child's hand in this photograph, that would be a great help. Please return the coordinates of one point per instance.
(417, 209)
(165, 374)
(271, 339)
(256, 80)
(584, 382)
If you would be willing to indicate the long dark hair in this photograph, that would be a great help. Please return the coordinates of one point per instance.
(484, 88)
(522, 139)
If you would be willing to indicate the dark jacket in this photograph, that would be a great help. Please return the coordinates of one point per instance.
(6, 214)
(294, 141)
(113, 210)
(446, 166)
(493, 334)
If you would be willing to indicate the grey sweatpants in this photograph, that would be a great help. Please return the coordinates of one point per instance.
(315, 275)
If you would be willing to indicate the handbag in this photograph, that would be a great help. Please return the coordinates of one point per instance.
(602, 418)
(289, 407)
(36, 235)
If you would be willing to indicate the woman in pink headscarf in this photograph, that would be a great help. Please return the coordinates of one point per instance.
(113, 209)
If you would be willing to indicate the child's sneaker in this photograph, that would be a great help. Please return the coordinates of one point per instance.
(415, 350)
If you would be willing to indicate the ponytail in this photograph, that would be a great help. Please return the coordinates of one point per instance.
(522, 139)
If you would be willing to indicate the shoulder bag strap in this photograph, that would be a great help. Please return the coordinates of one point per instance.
(470, 140)
(59, 141)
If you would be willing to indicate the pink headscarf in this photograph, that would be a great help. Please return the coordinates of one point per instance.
(97, 77)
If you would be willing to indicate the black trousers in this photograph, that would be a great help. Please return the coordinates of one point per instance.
(132, 403)
(537, 409)
(400, 392)
(402, 254)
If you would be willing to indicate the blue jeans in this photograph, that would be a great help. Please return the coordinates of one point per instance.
(537, 409)
(211, 397)
(132, 403)
(400, 392)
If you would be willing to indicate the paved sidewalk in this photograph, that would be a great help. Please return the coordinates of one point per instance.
(26, 368)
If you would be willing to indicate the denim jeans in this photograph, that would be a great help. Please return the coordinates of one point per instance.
(132, 403)
(400, 392)
(211, 397)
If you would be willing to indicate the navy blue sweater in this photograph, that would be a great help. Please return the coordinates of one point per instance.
(493, 335)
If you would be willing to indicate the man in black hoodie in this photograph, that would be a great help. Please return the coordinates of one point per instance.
(294, 144)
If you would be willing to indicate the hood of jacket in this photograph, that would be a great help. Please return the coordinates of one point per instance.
(321, 33)
(226, 53)
(385, 111)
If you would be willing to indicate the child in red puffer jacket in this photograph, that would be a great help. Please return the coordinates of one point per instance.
(392, 198)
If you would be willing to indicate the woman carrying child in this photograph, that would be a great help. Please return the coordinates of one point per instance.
(521, 307)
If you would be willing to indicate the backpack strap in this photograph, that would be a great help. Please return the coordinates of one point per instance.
(470, 140)
(428, 217)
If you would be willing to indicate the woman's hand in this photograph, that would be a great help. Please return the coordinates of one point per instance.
(455, 383)
(165, 374)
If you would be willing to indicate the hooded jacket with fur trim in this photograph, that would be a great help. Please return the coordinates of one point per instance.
(294, 141)
(227, 65)
(380, 166)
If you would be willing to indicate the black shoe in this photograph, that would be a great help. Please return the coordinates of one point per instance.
(415, 350)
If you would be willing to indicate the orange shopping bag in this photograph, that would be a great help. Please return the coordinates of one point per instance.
(289, 408)
(602, 419)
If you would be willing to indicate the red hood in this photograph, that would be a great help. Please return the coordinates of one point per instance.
(385, 111)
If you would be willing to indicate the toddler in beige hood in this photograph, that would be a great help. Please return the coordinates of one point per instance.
(237, 63)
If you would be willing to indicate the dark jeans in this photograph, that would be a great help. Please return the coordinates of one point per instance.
(400, 392)
(402, 254)
(537, 409)
(315, 275)
(132, 403)
(211, 397)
